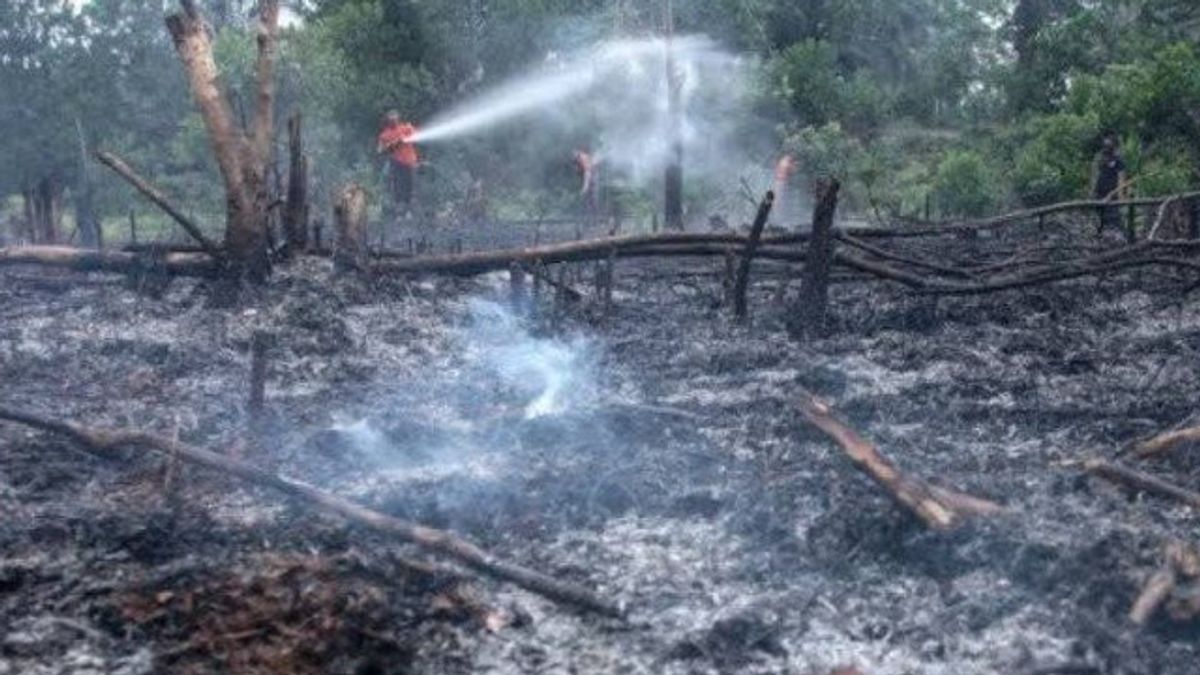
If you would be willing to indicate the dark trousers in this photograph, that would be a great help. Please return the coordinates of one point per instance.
(1110, 216)
(401, 179)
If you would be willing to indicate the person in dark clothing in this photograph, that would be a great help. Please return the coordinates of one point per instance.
(1110, 181)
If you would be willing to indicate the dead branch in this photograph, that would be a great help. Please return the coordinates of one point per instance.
(118, 262)
(884, 254)
(1157, 590)
(939, 508)
(468, 264)
(436, 541)
(160, 200)
(1139, 480)
(1181, 562)
(1166, 442)
(742, 283)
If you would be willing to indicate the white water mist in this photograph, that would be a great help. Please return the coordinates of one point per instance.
(613, 95)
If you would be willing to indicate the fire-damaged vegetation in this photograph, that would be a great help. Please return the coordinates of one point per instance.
(644, 447)
(532, 398)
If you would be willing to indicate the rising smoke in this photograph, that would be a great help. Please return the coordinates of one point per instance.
(500, 369)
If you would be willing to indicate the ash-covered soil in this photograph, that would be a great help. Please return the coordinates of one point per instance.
(650, 450)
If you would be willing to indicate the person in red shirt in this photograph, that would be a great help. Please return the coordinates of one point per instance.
(396, 141)
(785, 168)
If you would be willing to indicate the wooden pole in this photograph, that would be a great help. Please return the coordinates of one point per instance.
(742, 283)
(810, 316)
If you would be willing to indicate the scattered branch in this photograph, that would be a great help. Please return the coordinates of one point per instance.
(436, 541)
(1166, 442)
(939, 508)
(1141, 481)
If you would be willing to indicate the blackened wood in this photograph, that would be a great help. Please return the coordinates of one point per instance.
(741, 285)
(811, 312)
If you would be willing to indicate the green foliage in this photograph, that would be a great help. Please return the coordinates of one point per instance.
(964, 184)
(1165, 171)
(1055, 162)
(825, 151)
(808, 80)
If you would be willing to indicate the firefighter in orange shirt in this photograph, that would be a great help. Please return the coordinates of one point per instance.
(396, 141)
(785, 168)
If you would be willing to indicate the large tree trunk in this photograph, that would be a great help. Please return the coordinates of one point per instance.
(241, 156)
(90, 234)
(47, 210)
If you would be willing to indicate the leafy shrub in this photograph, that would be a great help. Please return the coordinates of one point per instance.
(1055, 163)
(964, 184)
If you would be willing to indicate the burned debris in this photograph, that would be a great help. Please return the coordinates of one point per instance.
(350, 421)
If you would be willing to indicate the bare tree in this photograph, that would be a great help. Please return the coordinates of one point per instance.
(243, 155)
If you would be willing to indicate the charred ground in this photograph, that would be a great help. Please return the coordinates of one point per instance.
(683, 483)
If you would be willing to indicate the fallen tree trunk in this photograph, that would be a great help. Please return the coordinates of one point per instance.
(937, 507)
(160, 200)
(118, 262)
(436, 541)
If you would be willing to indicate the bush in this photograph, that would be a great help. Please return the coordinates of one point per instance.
(1055, 163)
(964, 185)
(1167, 173)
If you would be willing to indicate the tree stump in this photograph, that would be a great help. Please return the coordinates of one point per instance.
(350, 221)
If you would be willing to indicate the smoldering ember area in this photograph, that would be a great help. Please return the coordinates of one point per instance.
(366, 337)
